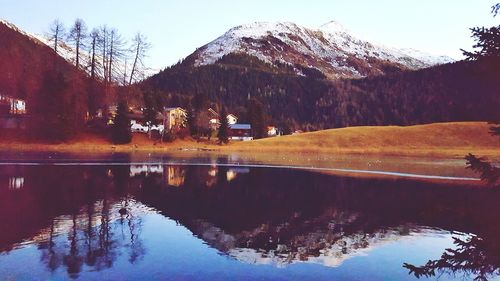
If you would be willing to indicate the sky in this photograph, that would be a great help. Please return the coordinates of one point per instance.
(176, 28)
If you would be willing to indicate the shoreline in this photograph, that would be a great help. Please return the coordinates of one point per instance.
(437, 140)
(439, 153)
(385, 152)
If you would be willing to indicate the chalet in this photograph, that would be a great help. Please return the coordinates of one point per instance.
(231, 119)
(272, 131)
(241, 132)
(12, 106)
(213, 122)
(174, 117)
(12, 113)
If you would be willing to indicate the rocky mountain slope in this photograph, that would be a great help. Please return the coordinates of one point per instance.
(332, 49)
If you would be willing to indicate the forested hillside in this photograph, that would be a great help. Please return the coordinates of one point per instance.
(461, 91)
(56, 92)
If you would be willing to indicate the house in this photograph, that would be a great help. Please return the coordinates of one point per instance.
(272, 131)
(12, 113)
(174, 117)
(214, 119)
(241, 132)
(9, 105)
(231, 119)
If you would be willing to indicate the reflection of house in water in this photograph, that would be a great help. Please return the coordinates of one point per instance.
(16, 183)
(234, 171)
(175, 175)
(230, 174)
(213, 171)
(136, 170)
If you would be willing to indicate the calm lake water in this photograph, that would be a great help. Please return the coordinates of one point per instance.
(120, 218)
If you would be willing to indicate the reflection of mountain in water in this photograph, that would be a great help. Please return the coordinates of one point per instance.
(328, 246)
(263, 216)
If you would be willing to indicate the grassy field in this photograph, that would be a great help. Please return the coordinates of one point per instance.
(439, 139)
(432, 140)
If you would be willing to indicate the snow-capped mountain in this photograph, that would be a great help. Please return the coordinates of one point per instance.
(331, 48)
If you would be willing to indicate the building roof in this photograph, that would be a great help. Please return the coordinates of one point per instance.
(173, 108)
(240, 126)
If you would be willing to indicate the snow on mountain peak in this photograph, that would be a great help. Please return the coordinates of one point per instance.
(334, 27)
(331, 48)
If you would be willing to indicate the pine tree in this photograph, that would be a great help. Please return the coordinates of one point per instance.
(121, 128)
(150, 111)
(488, 43)
(488, 40)
(223, 134)
(55, 112)
(191, 121)
(257, 119)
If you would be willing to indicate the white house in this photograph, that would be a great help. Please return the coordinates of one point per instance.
(12, 105)
(214, 119)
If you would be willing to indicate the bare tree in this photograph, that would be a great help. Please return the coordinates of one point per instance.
(103, 49)
(140, 47)
(57, 33)
(94, 38)
(116, 53)
(77, 35)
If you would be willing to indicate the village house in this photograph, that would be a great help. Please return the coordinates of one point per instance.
(242, 132)
(9, 105)
(272, 131)
(174, 118)
(214, 119)
(13, 114)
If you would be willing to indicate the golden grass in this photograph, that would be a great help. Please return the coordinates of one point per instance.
(440, 139)
(433, 140)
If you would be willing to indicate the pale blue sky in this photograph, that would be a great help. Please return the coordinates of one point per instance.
(176, 28)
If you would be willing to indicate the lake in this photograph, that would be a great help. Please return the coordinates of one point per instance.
(150, 217)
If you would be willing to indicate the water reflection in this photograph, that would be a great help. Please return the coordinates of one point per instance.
(16, 183)
(86, 219)
(474, 256)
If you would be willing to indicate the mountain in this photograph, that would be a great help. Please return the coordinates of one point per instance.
(331, 49)
(327, 78)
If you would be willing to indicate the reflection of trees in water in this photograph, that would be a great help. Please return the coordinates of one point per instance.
(128, 221)
(94, 237)
(96, 234)
(473, 256)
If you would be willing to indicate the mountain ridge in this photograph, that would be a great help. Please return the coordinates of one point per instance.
(331, 49)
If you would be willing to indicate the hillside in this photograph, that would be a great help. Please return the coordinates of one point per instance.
(461, 91)
(57, 94)
(23, 61)
(331, 49)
